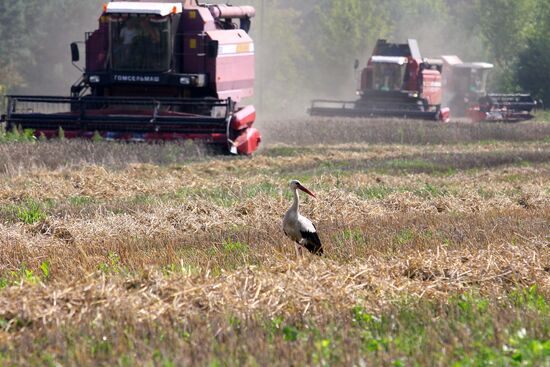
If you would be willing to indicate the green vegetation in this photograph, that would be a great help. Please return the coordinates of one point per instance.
(15, 135)
(31, 212)
(468, 330)
(113, 265)
(374, 192)
(24, 275)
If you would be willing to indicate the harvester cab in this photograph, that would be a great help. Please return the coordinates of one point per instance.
(465, 91)
(157, 70)
(397, 82)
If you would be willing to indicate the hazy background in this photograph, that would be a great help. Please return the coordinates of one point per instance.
(306, 49)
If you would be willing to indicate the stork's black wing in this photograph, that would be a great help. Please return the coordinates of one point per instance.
(312, 242)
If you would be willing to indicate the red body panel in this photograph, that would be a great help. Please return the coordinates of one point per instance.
(97, 48)
(244, 118)
(413, 69)
(432, 87)
(248, 142)
(233, 70)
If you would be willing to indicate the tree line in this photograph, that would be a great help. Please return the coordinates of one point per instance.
(306, 48)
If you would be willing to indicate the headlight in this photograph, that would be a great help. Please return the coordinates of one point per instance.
(185, 80)
(95, 79)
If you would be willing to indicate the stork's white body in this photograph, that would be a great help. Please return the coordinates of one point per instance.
(294, 224)
(299, 228)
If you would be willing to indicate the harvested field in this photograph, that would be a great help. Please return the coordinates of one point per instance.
(437, 251)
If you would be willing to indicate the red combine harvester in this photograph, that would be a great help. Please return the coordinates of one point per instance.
(397, 82)
(465, 86)
(157, 70)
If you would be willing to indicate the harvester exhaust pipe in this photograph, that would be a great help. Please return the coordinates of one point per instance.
(239, 12)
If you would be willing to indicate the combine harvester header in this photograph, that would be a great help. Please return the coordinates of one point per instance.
(157, 70)
(397, 82)
(465, 86)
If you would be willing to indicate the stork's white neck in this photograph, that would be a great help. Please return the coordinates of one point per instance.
(296, 204)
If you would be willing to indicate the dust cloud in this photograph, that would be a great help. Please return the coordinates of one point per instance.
(437, 35)
(289, 76)
(49, 71)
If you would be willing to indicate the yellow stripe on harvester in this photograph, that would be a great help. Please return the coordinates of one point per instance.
(243, 47)
(234, 49)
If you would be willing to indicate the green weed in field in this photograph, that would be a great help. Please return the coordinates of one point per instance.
(231, 247)
(220, 196)
(97, 137)
(404, 237)
(113, 266)
(61, 134)
(513, 178)
(126, 360)
(273, 327)
(530, 298)
(290, 333)
(286, 151)
(25, 275)
(101, 348)
(411, 165)
(16, 135)
(361, 317)
(235, 323)
(430, 191)
(350, 238)
(143, 200)
(80, 200)
(31, 212)
(374, 192)
(261, 188)
(45, 268)
(471, 307)
(323, 352)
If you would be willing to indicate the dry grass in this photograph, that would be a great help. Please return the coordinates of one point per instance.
(157, 262)
(308, 131)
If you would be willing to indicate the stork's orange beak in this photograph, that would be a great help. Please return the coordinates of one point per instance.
(306, 191)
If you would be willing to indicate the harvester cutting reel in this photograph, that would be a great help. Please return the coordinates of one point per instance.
(136, 119)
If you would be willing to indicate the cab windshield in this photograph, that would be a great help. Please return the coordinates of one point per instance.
(471, 80)
(140, 43)
(478, 80)
(388, 76)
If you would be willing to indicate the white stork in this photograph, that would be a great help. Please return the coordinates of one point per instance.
(298, 228)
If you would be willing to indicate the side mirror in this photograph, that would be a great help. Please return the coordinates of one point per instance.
(245, 24)
(75, 53)
(356, 65)
(213, 49)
